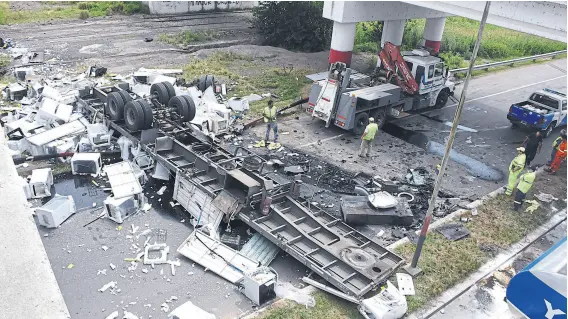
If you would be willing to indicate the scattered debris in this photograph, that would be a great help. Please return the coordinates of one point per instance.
(112, 266)
(111, 284)
(405, 284)
(545, 198)
(161, 190)
(416, 177)
(113, 315)
(388, 304)
(189, 311)
(163, 251)
(165, 307)
(287, 291)
(453, 231)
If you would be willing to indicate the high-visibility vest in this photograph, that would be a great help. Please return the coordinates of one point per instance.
(371, 129)
(556, 143)
(269, 114)
(518, 163)
(526, 181)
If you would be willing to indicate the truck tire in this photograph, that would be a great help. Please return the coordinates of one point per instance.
(442, 99)
(549, 129)
(160, 92)
(148, 116)
(115, 106)
(191, 109)
(209, 81)
(170, 89)
(201, 83)
(125, 96)
(183, 107)
(134, 116)
(380, 116)
(361, 122)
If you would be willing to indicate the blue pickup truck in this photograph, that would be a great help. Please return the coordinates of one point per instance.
(544, 110)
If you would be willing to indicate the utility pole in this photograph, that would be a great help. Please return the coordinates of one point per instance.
(412, 269)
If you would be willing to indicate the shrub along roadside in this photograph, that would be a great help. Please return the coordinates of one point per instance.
(459, 37)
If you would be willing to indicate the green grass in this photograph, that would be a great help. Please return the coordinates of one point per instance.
(288, 84)
(327, 307)
(5, 60)
(446, 263)
(55, 10)
(459, 37)
(188, 37)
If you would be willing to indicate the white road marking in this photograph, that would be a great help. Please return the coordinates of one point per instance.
(324, 140)
(461, 127)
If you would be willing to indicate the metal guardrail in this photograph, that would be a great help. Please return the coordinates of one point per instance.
(510, 62)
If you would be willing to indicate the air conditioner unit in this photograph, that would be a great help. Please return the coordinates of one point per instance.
(56, 211)
(86, 163)
(41, 182)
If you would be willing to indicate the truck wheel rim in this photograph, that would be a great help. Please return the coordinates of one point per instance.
(130, 116)
(112, 106)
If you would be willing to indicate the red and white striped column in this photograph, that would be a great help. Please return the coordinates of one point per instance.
(433, 33)
(393, 30)
(342, 42)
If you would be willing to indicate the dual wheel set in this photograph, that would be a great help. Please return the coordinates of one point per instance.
(139, 115)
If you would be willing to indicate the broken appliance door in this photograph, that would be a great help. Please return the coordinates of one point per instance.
(219, 258)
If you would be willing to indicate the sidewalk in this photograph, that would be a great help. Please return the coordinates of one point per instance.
(486, 300)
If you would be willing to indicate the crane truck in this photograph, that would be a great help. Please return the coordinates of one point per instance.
(402, 83)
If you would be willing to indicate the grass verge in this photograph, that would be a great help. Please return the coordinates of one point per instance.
(54, 10)
(327, 307)
(188, 37)
(287, 83)
(497, 227)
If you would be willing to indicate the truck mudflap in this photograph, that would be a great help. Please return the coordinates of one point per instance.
(340, 254)
(323, 107)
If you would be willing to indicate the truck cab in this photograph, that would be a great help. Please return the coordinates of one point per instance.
(544, 110)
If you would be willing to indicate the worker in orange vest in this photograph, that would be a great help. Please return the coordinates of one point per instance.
(560, 156)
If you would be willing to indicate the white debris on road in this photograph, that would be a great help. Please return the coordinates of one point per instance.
(111, 284)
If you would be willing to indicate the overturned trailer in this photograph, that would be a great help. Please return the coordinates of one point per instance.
(213, 184)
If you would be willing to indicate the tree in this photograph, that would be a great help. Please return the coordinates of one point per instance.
(293, 25)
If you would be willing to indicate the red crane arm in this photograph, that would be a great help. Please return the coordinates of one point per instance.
(392, 61)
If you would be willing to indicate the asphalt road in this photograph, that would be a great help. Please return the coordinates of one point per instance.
(491, 142)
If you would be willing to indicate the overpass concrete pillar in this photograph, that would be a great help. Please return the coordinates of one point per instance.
(433, 31)
(342, 42)
(393, 30)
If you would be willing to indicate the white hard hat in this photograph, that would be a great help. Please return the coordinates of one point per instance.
(522, 149)
(371, 119)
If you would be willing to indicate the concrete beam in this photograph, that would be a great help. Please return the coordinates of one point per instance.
(360, 11)
(29, 288)
(542, 18)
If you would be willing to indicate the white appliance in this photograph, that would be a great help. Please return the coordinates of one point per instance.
(259, 285)
(41, 182)
(86, 163)
(56, 211)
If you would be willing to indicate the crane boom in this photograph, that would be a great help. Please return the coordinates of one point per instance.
(394, 63)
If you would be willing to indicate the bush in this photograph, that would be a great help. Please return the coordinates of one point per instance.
(83, 15)
(293, 25)
(453, 60)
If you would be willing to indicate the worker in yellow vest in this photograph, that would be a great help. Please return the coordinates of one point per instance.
(555, 145)
(525, 183)
(515, 169)
(271, 124)
(368, 137)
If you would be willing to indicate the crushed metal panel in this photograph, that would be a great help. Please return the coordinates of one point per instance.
(225, 202)
(122, 180)
(198, 203)
(340, 254)
(73, 127)
(260, 249)
(219, 258)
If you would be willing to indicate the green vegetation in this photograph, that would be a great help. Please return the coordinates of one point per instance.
(69, 10)
(446, 263)
(296, 25)
(5, 60)
(327, 307)
(285, 82)
(188, 37)
(459, 38)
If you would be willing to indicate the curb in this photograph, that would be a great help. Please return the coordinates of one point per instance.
(450, 216)
(489, 267)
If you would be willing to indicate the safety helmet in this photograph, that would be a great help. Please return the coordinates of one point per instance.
(371, 119)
